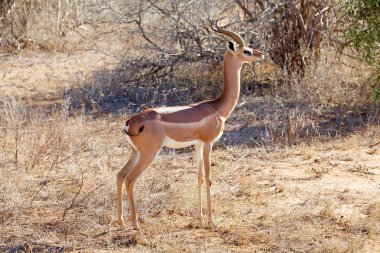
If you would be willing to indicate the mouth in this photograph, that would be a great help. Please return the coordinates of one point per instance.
(259, 56)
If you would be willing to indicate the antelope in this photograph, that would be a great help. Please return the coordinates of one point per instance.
(200, 124)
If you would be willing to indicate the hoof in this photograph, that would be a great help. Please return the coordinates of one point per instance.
(212, 226)
(202, 222)
(136, 226)
(121, 223)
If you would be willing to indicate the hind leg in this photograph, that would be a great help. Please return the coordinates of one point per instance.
(119, 179)
(145, 160)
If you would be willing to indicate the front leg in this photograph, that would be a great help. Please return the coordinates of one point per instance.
(199, 156)
(207, 162)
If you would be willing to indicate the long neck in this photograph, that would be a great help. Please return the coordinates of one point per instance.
(227, 100)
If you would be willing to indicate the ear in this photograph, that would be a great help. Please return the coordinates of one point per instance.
(231, 46)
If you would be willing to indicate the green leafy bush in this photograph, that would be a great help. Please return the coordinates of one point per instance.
(363, 18)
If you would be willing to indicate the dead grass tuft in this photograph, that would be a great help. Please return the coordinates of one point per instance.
(374, 219)
(335, 245)
(335, 83)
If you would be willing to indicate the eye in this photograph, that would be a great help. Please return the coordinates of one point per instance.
(247, 52)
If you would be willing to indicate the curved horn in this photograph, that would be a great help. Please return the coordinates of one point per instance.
(236, 37)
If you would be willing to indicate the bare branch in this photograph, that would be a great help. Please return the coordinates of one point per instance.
(72, 204)
(138, 22)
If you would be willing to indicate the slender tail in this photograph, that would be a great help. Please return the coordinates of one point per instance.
(126, 129)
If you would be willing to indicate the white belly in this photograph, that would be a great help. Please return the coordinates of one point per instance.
(170, 143)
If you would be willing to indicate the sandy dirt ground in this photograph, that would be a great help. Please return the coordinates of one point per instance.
(323, 196)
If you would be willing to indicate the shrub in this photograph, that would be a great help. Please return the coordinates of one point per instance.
(363, 32)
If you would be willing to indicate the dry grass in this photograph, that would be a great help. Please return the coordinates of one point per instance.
(58, 191)
(336, 83)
